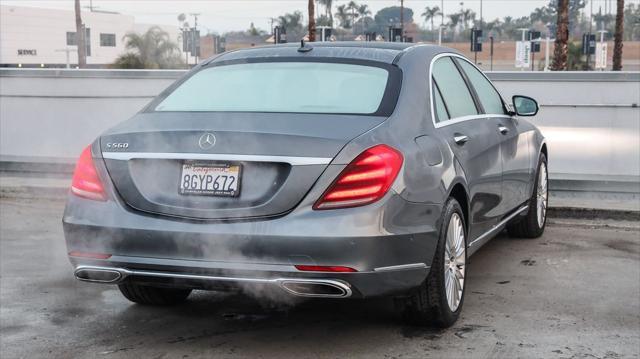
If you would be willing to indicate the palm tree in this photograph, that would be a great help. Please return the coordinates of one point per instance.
(353, 7)
(467, 15)
(494, 26)
(328, 6)
(430, 13)
(454, 21)
(363, 12)
(80, 32)
(290, 20)
(151, 50)
(343, 16)
(560, 49)
(617, 39)
(312, 20)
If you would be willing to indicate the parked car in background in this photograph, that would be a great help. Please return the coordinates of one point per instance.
(331, 170)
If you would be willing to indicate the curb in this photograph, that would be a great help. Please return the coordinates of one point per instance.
(593, 214)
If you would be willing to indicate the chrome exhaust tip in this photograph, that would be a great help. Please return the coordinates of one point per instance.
(98, 275)
(316, 288)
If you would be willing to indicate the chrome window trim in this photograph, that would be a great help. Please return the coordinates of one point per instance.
(486, 235)
(455, 120)
(292, 160)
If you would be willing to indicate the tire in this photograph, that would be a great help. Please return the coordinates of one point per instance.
(147, 295)
(430, 304)
(532, 225)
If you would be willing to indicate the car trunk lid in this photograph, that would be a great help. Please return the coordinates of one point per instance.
(280, 157)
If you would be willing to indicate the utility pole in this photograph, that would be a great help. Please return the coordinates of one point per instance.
(491, 52)
(195, 31)
(402, 20)
(481, 15)
(441, 22)
(80, 32)
(590, 30)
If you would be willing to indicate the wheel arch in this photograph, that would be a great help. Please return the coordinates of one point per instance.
(459, 192)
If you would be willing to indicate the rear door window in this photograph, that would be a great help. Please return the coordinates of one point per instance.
(453, 88)
(487, 94)
(441, 109)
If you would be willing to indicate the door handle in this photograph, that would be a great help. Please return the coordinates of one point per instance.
(503, 130)
(460, 139)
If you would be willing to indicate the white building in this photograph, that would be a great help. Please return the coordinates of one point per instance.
(37, 37)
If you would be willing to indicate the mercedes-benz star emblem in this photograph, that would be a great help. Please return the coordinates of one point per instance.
(207, 141)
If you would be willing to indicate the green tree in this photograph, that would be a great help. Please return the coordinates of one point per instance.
(631, 22)
(494, 27)
(390, 16)
(292, 22)
(151, 50)
(575, 59)
(454, 21)
(343, 16)
(467, 15)
(364, 18)
(430, 13)
(328, 11)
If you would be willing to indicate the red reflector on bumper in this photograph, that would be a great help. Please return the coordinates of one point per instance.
(337, 269)
(89, 255)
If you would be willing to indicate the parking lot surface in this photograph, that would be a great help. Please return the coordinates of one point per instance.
(574, 293)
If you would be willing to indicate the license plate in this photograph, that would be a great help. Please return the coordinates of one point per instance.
(218, 179)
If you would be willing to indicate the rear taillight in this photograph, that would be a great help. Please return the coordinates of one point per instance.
(365, 180)
(86, 182)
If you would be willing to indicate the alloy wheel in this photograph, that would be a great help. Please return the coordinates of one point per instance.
(454, 262)
(542, 200)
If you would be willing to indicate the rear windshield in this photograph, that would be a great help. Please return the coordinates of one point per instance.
(300, 87)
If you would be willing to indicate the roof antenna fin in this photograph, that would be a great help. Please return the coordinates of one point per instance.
(303, 47)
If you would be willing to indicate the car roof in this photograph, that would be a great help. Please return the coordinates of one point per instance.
(386, 52)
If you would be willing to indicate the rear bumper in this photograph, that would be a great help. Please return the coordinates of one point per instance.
(357, 285)
(390, 244)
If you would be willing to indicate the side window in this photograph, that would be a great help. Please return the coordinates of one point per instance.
(455, 93)
(487, 94)
(441, 109)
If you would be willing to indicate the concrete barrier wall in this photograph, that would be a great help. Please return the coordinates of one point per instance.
(591, 120)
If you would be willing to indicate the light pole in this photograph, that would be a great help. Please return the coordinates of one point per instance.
(441, 22)
(401, 20)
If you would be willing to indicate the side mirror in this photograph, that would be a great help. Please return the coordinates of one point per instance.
(525, 106)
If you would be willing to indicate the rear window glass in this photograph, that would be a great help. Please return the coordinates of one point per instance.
(306, 87)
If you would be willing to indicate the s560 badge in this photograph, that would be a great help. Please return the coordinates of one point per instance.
(117, 145)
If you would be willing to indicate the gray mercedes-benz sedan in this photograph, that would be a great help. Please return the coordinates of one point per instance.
(331, 170)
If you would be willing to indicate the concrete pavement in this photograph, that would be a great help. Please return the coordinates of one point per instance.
(573, 293)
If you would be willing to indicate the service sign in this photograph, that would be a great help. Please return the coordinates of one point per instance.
(523, 54)
(601, 55)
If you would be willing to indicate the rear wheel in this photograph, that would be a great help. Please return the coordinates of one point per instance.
(439, 300)
(532, 225)
(143, 294)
